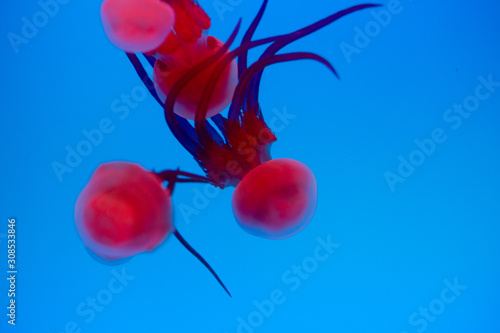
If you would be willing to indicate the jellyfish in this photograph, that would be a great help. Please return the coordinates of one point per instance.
(276, 199)
(187, 46)
(273, 199)
(168, 69)
(124, 210)
(137, 25)
(173, 34)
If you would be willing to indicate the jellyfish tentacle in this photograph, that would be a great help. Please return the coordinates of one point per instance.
(173, 175)
(213, 133)
(191, 74)
(259, 65)
(146, 80)
(219, 122)
(207, 93)
(242, 59)
(293, 36)
(203, 104)
(200, 259)
(182, 129)
(151, 60)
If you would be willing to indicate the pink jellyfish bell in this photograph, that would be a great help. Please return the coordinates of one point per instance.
(275, 200)
(137, 25)
(123, 210)
(169, 70)
(186, 47)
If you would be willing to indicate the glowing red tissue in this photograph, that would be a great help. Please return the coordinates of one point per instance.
(137, 25)
(123, 210)
(275, 200)
(171, 69)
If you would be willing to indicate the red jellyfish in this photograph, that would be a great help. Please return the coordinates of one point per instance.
(170, 68)
(125, 210)
(186, 45)
(273, 198)
(137, 25)
(276, 199)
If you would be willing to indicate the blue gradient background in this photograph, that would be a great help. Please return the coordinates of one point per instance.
(396, 248)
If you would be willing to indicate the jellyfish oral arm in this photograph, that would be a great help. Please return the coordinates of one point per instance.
(200, 259)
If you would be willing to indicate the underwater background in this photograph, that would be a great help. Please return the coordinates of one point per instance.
(405, 149)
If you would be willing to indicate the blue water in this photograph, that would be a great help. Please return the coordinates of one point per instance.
(388, 250)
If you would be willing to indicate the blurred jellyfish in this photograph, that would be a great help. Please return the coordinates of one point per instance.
(137, 25)
(124, 210)
(276, 199)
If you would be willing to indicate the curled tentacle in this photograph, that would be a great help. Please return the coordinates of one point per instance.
(202, 109)
(259, 65)
(242, 59)
(252, 99)
(183, 131)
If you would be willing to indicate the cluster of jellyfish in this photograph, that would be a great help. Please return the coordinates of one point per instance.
(125, 209)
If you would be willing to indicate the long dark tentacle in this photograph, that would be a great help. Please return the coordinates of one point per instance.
(182, 129)
(242, 59)
(150, 59)
(291, 37)
(219, 121)
(143, 75)
(202, 109)
(185, 134)
(259, 65)
(200, 258)
(174, 175)
(209, 88)
(191, 74)
(252, 95)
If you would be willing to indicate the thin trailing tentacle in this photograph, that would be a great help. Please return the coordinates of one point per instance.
(177, 176)
(150, 59)
(183, 130)
(243, 57)
(219, 122)
(200, 258)
(143, 76)
(202, 109)
(174, 175)
(291, 37)
(259, 65)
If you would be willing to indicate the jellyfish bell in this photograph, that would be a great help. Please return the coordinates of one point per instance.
(123, 210)
(275, 200)
(169, 70)
(137, 25)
